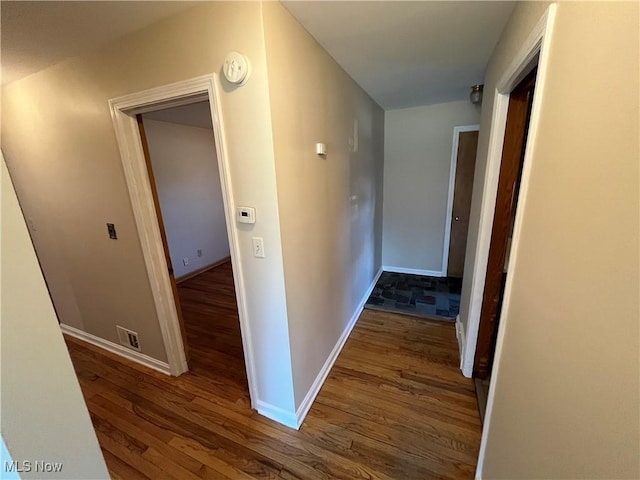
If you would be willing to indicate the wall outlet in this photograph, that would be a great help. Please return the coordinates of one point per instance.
(185, 261)
(128, 338)
(199, 252)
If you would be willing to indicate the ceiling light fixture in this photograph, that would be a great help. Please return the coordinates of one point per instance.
(476, 94)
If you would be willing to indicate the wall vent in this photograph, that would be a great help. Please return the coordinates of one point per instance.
(128, 338)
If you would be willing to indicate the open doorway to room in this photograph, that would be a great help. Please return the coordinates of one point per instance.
(182, 166)
(208, 310)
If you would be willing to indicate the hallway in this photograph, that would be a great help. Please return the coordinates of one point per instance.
(394, 406)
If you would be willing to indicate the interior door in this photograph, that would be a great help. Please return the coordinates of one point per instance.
(515, 140)
(165, 245)
(465, 167)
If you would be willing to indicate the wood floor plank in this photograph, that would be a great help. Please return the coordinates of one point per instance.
(394, 406)
(157, 439)
(120, 470)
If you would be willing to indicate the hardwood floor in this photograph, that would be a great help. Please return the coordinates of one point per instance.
(395, 405)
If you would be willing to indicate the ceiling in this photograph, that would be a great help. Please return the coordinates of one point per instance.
(194, 114)
(37, 34)
(402, 53)
(407, 53)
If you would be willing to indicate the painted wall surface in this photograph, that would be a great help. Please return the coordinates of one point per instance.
(566, 381)
(417, 162)
(71, 181)
(186, 174)
(330, 208)
(41, 401)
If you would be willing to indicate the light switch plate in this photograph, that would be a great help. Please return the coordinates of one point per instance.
(258, 247)
(111, 229)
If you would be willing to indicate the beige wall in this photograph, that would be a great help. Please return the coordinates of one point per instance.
(60, 146)
(417, 164)
(330, 208)
(44, 417)
(566, 382)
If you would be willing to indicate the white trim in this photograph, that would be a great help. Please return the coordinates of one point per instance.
(452, 186)
(119, 350)
(487, 205)
(511, 77)
(539, 41)
(460, 337)
(123, 110)
(277, 414)
(413, 271)
(311, 395)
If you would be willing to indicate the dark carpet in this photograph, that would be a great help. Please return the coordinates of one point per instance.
(435, 298)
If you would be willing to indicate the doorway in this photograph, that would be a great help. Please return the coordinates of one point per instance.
(463, 161)
(125, 111)
(515, 140)
(509, 180)
(182, 166)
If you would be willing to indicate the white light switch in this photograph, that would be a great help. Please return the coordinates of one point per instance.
(258, 247)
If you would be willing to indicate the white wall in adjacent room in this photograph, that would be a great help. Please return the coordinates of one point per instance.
(188, 184)
(417, 162)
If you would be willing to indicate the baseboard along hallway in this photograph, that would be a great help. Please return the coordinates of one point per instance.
(395, 405)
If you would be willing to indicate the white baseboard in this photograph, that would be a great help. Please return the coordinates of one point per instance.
(277, 414)
(200, 270)
(461, 339)
(132, 355)
(413, 271)
(305, 406)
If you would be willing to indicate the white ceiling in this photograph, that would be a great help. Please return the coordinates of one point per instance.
(195, 115)
(37, 34)
(402, 53)
(407, 53)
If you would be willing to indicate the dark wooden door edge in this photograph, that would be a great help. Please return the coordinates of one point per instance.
(508, 185)
(163, 235)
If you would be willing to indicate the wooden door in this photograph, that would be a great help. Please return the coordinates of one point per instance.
(465, 167)
(513, 149)
(165, 244)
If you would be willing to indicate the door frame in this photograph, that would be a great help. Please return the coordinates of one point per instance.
(452, 185)
(163, 233)
(535, 49)
(123, 113)
(506, 205)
